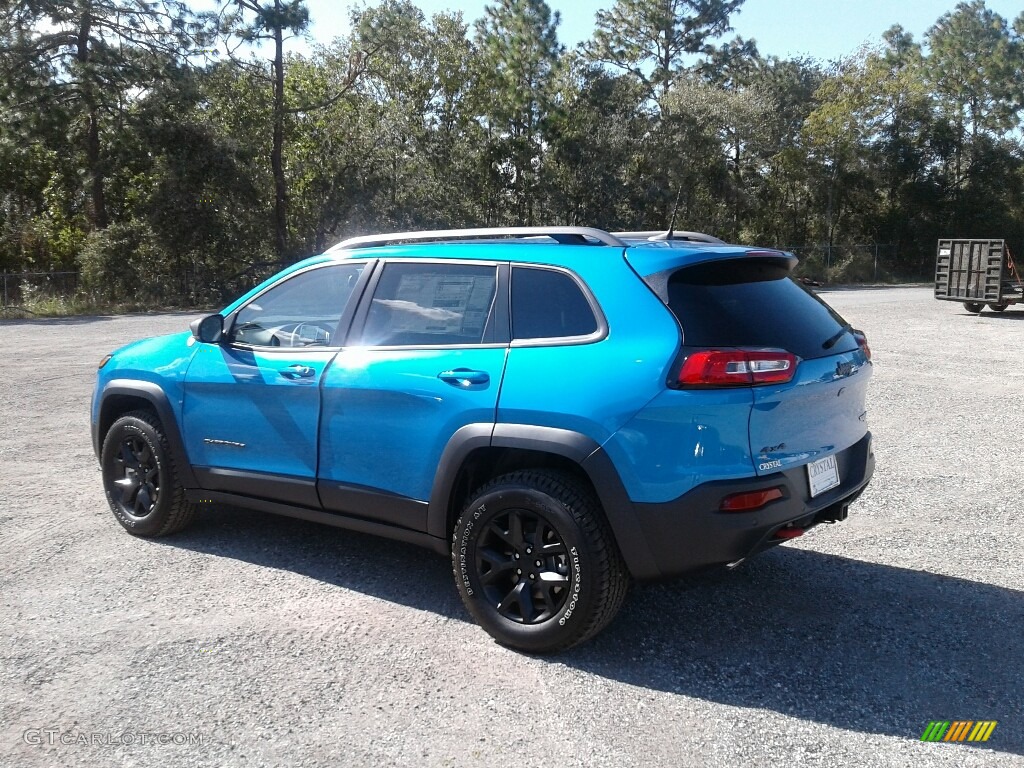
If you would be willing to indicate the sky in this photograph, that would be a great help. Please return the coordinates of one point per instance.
(822, 29)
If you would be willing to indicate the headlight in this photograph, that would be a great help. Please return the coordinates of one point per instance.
(104, 361)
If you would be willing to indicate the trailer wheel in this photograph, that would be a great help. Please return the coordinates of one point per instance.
(973, 306)
(998, 307)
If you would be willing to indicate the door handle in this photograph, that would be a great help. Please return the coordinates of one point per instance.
(297, 372)
(464, 377)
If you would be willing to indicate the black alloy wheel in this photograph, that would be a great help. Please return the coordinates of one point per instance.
(137, 489)
(140, 477)
(535, 561)
(523, 565)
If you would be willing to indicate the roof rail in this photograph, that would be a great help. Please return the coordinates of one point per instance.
(693, 237)
(562, 235)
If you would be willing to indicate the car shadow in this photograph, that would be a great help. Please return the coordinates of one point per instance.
(833, 640)
(852, 287)
(1007, 314)
(12, 320)
(391, 570)
(852, 644)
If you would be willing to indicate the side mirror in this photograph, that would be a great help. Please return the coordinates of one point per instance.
(208, 330)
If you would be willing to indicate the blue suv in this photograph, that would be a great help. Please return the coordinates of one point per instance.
(558, 410)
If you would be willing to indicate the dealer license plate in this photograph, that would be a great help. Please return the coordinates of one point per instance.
(823, 475)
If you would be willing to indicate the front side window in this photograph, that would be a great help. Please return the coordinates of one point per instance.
(431, 304)
(549, 304)
(302, 311)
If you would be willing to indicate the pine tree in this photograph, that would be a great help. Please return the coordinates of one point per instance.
(651, 38)
(88, 59)
(519, 52)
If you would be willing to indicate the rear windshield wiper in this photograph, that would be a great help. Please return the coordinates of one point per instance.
(834, 339)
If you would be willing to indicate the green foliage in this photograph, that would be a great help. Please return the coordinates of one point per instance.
(519, 56)
(124, 262)
(974, 67)
(652, 39)
(595, 136)
(78, 62)
(170, 174)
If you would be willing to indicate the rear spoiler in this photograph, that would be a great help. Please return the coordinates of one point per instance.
(725, 265)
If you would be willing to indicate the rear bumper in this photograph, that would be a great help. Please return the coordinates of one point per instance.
(689, 533)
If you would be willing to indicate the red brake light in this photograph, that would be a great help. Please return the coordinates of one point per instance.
(747, 502)
(737, 368)
(862, 342)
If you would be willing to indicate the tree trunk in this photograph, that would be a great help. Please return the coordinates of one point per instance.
(97, 195)
(277, 152)
(737, 186)
(665, 60)
(96, 182)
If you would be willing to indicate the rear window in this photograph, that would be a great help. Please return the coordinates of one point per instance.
(730, 304)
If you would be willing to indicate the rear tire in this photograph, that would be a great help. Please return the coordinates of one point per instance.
(536, 563)
(140, 478)
(973, 306)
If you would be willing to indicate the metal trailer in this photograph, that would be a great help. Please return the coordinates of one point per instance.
(977, 273)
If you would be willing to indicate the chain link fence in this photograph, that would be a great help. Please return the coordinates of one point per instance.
(202, 284)
(194, 285)
(199, 285)
(866, 263)
(25, 289)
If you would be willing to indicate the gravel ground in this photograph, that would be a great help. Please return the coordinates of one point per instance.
(271, 641)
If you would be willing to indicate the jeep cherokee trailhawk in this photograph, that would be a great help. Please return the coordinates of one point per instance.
(560, 410)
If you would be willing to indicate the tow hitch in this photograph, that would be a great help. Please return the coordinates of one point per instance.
(834, 514)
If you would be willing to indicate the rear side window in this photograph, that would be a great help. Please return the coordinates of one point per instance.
(730, 304)
(549, 304)
(431, 304)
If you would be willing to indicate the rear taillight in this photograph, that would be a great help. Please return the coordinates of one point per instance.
(736, 368)
(862, 342)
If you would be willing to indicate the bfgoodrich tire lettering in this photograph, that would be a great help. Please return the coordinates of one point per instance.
(535, 562)
(140, 478)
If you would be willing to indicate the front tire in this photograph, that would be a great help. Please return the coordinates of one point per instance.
(1000, 307)
(535, 562)
(140, 478)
